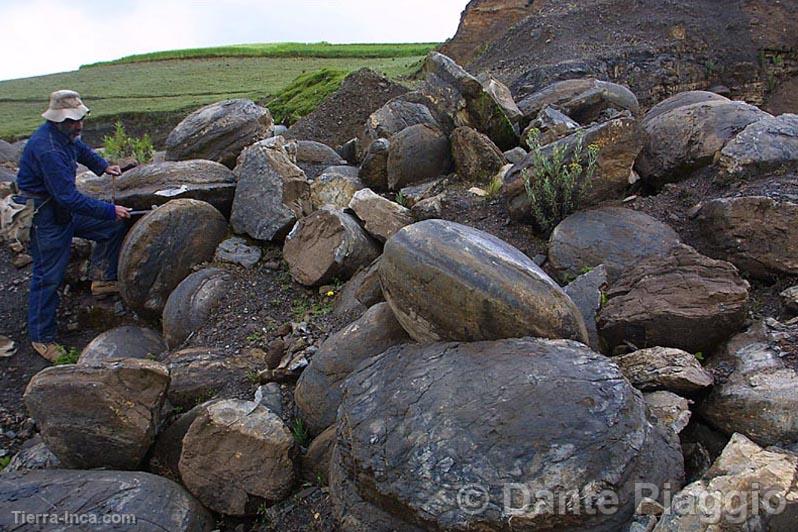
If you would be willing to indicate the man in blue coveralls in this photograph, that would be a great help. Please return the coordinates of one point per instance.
(46, 176)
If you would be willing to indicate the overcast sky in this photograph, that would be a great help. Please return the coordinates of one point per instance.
(46, 36)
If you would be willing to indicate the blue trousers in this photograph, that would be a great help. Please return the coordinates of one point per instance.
(50, 248)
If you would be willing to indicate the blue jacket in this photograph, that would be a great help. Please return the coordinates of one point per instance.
(48, 167)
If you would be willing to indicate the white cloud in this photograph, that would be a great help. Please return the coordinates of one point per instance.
(45, 36)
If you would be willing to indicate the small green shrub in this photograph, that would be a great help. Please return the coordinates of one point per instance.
(68, 356)
(400, 198)
(4, 461)
(304, 94)
(557, 180)
(120, 145)
(300, 432)
(494, 188)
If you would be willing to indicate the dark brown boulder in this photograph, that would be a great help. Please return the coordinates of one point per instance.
(313, 157)
(318, 392)
(757, 234)
(162, 248)
(218, 132)
(199, 374)
(154, 184)
(374, 170)
(683, 300)
(429, 438)
(325, 245)
(393, 117)
(190, 303)
(417, 153)
(446, 281)
(123, 342)
(616, 237)
(476, 157)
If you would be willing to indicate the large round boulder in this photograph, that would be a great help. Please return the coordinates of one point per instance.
(162, 248)
(154, 184)
(318, 392)
(374, 170)
(392, 118)
(123, 342)
(446, 281)
(472, 436)
(218, 132)
(104, 415)
(325, 245)
(616, 237)
(313, 157)
(417, 153)
(122, 500)
(688, 137)
(683, 300)
(771, 144)
(236, 456)
(190, 303)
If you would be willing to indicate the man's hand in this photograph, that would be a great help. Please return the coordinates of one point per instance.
(113, 170)
(121, 212)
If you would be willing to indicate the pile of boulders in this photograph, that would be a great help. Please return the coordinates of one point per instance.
(471, 367)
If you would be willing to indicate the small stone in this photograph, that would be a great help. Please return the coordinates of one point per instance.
(649, 506)
(284, 330)
(20, 261)
(789, 298)
(270, 396)
(236, 251)
(275, 353)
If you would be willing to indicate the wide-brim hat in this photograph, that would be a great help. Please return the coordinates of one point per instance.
(65, 104)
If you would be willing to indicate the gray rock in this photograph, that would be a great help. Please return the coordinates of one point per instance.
(162, 248)
(417, 153)
(789, 299)
(120, 497)
(771, 144)
(392, 118)
(476, 158)
(279, 130)
(335, 186)
(325, 245)
(382, 218)
(549, 126)
(585, 291)
(688, 137)
(313, 157)
(757, 234)
(421, 423)
(272, 191)
(756, 392)
(671, 411)
(446, 281)
(553, 95)
(218, 132)
(264, 451)
(616, 237)
(516, 155)
(731, 494)
(235, 250)
(682, 99)
(683, 300)
(590, 105)
(415, 193)
(99, 416)
(34, 454)
(360, 292)
(316, 462)
(318, 392)
(190, 303)
(374, 170)
(8, 154)
(270, 396)
(619, 142)
(662, 368)
(501, 94)
(123, 342)
(156, 183)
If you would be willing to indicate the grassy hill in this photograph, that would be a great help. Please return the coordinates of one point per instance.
(166, 83)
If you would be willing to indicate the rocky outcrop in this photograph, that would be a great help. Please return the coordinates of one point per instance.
(129, 499)
(747, 488)
(683, 300)
(412, 455)
(382, 218)
(618, 142)
(661, 368)
(325, 245)
(161, 250)
(218, 132)
(757, 234)
(688, 137)
(190, 303)
(318, 392)
(756, 392)
(616, 237)
(272, 192)
(123, 342)
(417, 153)
(446, 281)
(99, 416)
(154, 184)
(264, 451)
(476, 158)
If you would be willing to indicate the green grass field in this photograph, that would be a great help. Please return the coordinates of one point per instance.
(184, 84)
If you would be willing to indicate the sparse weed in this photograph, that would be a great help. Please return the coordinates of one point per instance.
(557, 180)
(494, 188)
(4, 461)
(252, 376)
(700, 356)
(400, 198)
(69, 355)
(300, 432)
(120, 145)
